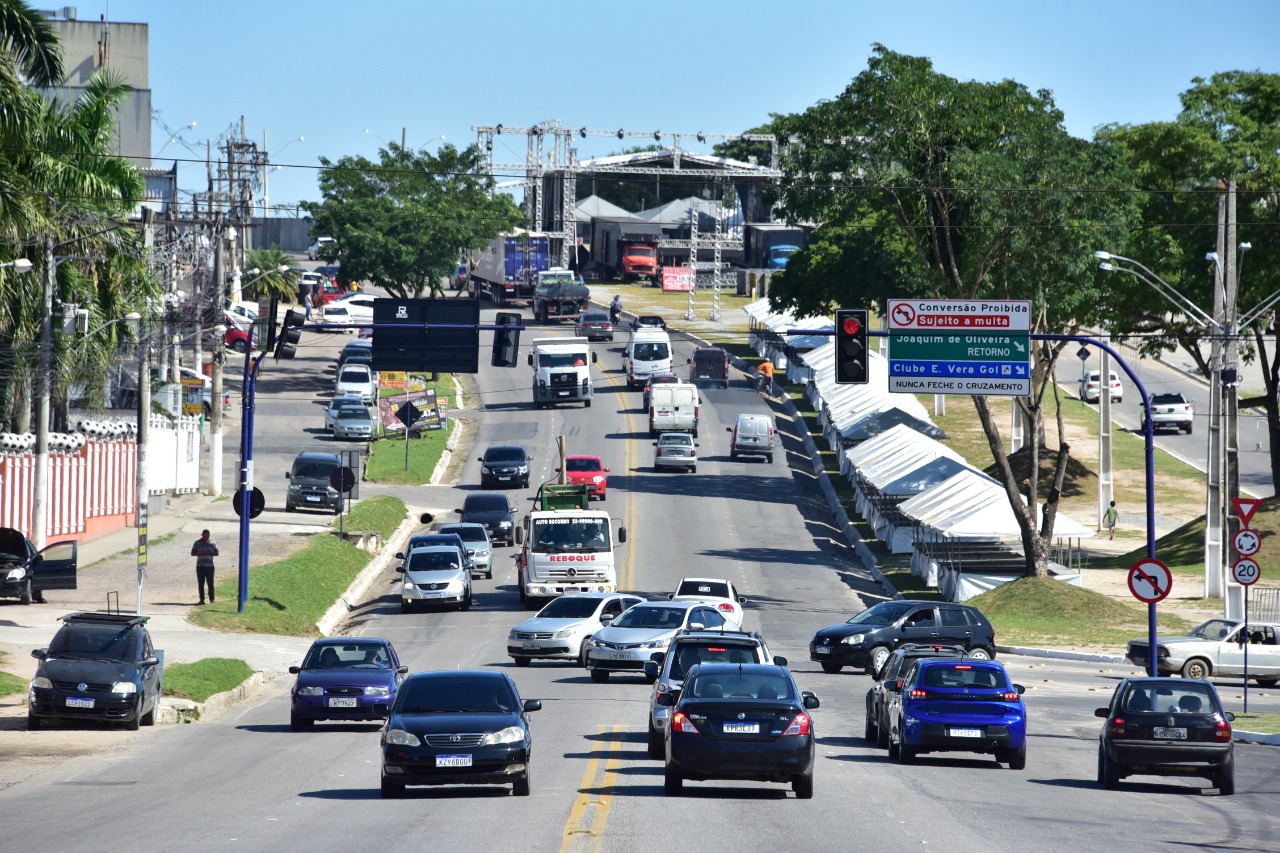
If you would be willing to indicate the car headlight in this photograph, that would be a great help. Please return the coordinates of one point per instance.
(483, 553)
(485, 469)
(310, 691)
(592, 643)
(42, 682)
(854, 639)
(399, 737)
(597, 479)
(124, 687)
(563, 635)
(377, 691)
(504, 523)
(511, 734)
(512, 635)
(657, 644)
(409, 585)
(523, 469)
(294, 487)
(16, 574)
(331, 491)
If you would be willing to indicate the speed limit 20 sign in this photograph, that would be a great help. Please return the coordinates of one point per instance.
(1245, 572)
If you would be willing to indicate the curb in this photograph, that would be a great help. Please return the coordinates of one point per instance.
(1255, 737)
(351, 597)
(173, 710)
(1062, 654)
(450, 445)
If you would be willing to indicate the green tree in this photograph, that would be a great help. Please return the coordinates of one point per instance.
(1229, 128)
(930, 187)
(400, 223)
(269, 281)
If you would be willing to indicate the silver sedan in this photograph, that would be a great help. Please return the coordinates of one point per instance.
(675, 450)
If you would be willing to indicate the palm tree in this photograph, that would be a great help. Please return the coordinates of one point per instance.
(272, 282)
(29, 51)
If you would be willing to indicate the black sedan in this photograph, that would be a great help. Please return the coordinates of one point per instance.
(494, 511)
(1166, 727)
(735, 721)
(458, 727)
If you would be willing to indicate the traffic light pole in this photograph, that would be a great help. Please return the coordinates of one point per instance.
(245, 495)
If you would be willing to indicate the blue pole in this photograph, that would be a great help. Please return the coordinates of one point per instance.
(251, 367)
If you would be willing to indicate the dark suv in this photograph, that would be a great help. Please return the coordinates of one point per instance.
(100, 666)
(888, 681)
(504, 465)
(867, 639)
(309, 483)
(494, 511)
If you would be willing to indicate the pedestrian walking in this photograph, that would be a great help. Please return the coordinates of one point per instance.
(204, 550)
(307, 302)
(1112, 515)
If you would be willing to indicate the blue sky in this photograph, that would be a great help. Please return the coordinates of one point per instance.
(327, 70)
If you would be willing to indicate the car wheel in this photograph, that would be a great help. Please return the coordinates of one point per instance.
(803, 786)
(1108, 771)
(768, 457)
(693, 469)
(875, 661)
(24, 594)
(300, 724)
(893, 749)
(33, 722)
(1188, 428)
(656, 750)
(582, 653)
(522, 661)
(391, 790)
(1016, 758)
(831, 668)
(1197, 668)
(405, 607)
(586, 404)
(882, 736)
(869, 727)
(733, 456)
(672, 782)
(466, 602)
(599, 676)
(488, 575)
(239, 346)
(602, 496)
(978, 653)
(149, 718)
(1225, 778)
(906, 753)
(134, 722)
(520, 787)
(288, 507)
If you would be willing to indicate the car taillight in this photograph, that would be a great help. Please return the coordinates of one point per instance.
(1222, 731)
(725, 606)
(917, 693)
(1117, 726)
(799, 726)
(658, 452)
(693, 453)
(1011, 696)
(681, 723)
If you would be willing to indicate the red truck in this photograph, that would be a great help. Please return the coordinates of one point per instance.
(626, 250)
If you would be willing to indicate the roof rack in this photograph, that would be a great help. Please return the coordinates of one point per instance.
(105, 618)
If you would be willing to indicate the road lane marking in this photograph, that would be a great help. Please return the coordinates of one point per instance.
(584, 830)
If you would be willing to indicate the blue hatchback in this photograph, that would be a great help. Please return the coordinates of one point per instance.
(964, 705)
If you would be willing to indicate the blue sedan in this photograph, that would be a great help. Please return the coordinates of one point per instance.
(965, 705)
(353, 678)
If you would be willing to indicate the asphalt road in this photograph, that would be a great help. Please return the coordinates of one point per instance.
(245, 782)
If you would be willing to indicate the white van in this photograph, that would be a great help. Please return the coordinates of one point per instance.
(243, 314)
(752, 436)
(648, 352)
(673, 407)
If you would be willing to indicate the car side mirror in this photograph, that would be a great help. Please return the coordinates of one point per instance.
(470, 552)
(606, 619)
(742, 599)
(519, 535)
(593, 358)
(402, 669)
(671, 596)
(1101, 712)
(728, 429)
(651, 669)
(622, 534)
(1020, 689)
(1230, 716)
(400, 569)
(779, 660)
(39, 654)
(530, 359)
(150, 660)
(288, 476)
(399, 555)
(606, 470)
(809, 700)
(294, 670)
(458, 511)
(666, 700)
(557, 470)
(479, 458)
(532, 705)
(655, 444)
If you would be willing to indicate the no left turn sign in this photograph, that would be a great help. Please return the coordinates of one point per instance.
(1150, 580)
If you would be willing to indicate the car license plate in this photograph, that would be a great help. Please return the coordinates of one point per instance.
(453, 761)
(821, 650)
(504, 476)
(342, 702)
(966, 732)
(619, 656)
(1165, 733)
(562, 393)
(742, 728)
(77, 702)
(313, 498)
(571, 590)
(530, 646)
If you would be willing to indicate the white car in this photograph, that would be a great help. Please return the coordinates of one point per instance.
(477, 540)
(1092, 384)
(359, 307)
(436, 574)
(717, 592)
(644, 629)
(357, 380)
(560, 630)
(313, 251)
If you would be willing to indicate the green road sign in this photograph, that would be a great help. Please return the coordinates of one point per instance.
(998, 347)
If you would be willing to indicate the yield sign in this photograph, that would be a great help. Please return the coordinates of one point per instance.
(1245, 508)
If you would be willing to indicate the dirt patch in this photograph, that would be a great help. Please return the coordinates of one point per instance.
(27, 754)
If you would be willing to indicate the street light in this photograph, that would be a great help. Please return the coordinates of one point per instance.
(267, 168)
(20, 266)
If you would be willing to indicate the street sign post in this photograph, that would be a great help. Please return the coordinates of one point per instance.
(1246, 572)
(1150, 582)
(965, 346)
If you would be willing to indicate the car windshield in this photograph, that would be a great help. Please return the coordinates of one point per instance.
(468, 532)
(348, 413)
(314, 470)
(561, 359)
(651, 617)
(348, 656)
(354, 376)
(651, 351)
(1167, 697)
(681, 439)
(570, 534)
(689, 654)
(485, 503)
(885, 613)
(111, 642)
(964, 675)
(432, 561)
(739, 685)
(1214, 629)
(445, 694)
(714, 589)
(569, 607)
(504, 454)
(582, 464)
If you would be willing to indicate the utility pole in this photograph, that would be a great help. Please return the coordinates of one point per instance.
(144, 417)
(1230, 407)
(39, 503)
(1214, 549)
(215, 401)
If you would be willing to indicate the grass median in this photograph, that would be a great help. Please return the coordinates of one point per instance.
(386, 462)
(204, 678)
(10, 683)
(290, 595)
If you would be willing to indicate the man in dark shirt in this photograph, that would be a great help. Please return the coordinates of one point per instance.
(204, 550)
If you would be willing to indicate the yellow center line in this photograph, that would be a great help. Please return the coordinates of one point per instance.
(584, 830)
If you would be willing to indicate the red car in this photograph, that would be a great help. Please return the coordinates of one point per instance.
(329, 291)
(240, 339)
(589, 470)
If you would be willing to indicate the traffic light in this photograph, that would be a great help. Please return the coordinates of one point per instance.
(290, 332)
(506, 342)
(851, 347)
